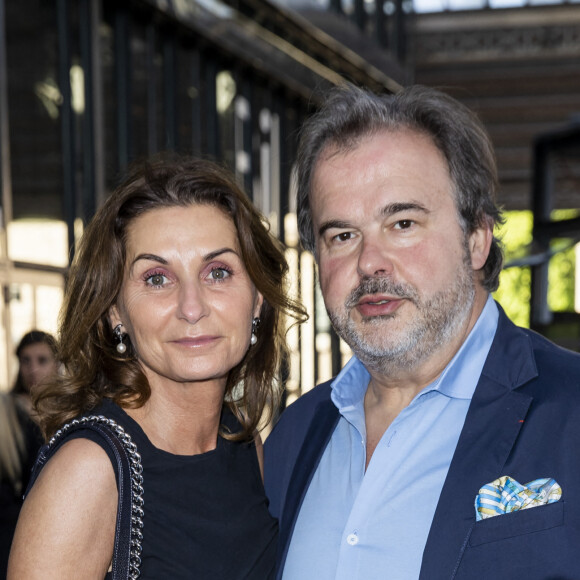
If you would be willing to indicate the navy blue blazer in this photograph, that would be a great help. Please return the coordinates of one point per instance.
(523, 421)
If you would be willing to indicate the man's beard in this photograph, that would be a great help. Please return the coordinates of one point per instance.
(436, 321)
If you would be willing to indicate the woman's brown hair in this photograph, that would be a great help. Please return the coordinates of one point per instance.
(94, 370)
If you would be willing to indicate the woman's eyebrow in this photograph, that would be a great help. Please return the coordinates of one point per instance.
(150, 257)
(216, 253)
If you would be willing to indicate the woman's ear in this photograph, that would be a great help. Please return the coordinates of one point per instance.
(114, 317)
(258, 302)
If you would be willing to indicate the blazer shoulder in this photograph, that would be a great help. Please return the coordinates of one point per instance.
(520, 356)
(308, 401)
(552, 351)
(509, 333)
(284, 444)
(297, 417)
(552, 361)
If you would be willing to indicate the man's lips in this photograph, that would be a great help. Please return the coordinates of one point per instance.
(378, 305)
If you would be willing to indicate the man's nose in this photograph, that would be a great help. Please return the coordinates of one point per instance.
(374, 258)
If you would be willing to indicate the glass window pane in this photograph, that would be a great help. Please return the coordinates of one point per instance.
(21, 310)
(5, 378)
(147, 99)
(35, 108)
(41, 241)
(187, 92)
(110, 133)
(429, 5)
(48, 302)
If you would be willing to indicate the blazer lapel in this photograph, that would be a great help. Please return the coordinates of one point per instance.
(491, 428)
(321, 428)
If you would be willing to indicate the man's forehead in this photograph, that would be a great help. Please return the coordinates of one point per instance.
(347, 197)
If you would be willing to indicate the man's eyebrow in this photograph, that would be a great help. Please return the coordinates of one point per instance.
(331, 224)
(397, 207)
(388, 210)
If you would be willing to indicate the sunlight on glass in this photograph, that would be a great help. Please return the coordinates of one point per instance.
(38, 241)
(429, 5)
(225, 91)
(506, 3)
(466, 4)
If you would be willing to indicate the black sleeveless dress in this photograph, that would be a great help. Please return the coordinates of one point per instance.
(206, 516)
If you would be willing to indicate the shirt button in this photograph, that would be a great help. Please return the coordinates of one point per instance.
(352, 539)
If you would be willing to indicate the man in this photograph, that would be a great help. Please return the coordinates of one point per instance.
(380, 473)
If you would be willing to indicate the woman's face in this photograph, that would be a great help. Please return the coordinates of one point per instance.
(37, 362)
(186, 300)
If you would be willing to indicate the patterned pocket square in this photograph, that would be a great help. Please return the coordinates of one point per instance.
(505, 495)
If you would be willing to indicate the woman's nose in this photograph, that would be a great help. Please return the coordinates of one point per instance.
(192, 304)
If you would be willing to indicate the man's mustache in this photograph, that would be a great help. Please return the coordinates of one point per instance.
(380, 285)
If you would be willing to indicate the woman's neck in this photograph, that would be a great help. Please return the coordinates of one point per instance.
(182, 419)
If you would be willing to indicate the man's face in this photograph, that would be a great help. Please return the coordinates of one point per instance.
(395, 267)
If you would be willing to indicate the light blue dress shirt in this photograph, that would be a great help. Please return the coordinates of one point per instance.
(357, 525)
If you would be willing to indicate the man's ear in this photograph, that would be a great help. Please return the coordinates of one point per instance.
(479, 246)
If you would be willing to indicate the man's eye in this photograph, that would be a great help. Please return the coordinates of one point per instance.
(404, 224)
(343, 236)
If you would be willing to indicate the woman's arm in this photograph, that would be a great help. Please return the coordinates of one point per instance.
(66, 529)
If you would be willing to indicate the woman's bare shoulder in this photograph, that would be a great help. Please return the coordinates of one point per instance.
(67, 525)
(79, 460)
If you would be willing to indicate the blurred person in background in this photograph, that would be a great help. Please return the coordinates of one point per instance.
(20, 438)
(37, 359)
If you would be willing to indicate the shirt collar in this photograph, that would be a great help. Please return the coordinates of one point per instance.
(458, 380)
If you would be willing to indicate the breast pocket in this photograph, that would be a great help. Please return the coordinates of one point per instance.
(517, 523)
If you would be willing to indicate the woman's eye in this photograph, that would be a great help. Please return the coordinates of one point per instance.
(156, 280)
(219, 274)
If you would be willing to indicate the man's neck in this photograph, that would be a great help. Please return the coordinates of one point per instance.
(388, 395)
(404, 383)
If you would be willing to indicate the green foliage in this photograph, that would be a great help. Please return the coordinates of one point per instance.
(562, 269)
(514, 283)
(514, 290)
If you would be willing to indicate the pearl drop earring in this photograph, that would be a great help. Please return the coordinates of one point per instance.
(255, 325)
(121, 348)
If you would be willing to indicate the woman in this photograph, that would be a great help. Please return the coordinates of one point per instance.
(37, 360)
(172, 326)
(20, 438)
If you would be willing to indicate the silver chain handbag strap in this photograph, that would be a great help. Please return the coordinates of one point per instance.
(136, 473)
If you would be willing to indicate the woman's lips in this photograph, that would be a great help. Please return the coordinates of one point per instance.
(196, 342)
